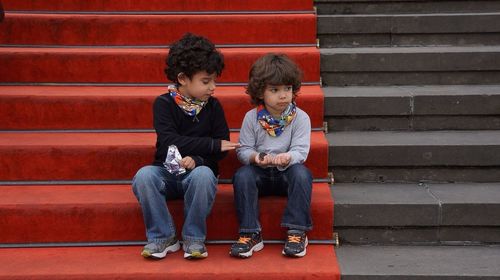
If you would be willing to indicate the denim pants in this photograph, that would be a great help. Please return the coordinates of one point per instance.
(251, 181)
(154, 186)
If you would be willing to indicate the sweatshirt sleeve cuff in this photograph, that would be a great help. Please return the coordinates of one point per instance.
(216, 144)
(198, 161)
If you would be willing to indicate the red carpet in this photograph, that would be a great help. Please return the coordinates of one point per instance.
(71, 107)
(100, 213)
(126, 263)
(37, 29)
(158, 5)
(66, 65)
(123, 65)
(97, 156)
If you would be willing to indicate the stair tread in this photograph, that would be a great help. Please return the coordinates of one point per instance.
(157, 5)
(108, 107)
(419, 262)
(87, 29)
(111, 213)
(95, 155)
(130, 65)
(412, 50)
(412, 15)
(126, 263)
(430, 101)
(414, 138)
(403, 91)
(457, 204)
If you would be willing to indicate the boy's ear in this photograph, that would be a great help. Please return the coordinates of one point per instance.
(181, 78)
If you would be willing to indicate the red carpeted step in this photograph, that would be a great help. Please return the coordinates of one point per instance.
(110, 213)
(124, 65)
(157, 5)
(119, 30)
(105, 156)
(72, 107)
(126, 263)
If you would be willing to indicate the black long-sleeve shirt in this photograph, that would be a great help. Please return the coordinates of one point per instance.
(198, 137)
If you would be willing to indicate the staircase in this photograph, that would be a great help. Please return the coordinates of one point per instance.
(77, 83)
(412, 101)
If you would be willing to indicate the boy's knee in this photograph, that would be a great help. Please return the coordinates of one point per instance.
(145, 173)
(203, 173)
(144, 176)
(203, 179)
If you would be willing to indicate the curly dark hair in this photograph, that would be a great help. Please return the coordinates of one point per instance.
(272, 69)
(192, 54)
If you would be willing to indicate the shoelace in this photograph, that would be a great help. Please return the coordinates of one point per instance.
(294, 238)
(244, 239)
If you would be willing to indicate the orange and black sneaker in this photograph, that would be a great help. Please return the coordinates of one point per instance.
(296, 243)
(248, 243)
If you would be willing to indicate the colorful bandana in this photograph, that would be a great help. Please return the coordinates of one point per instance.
(275, 127)
(191, 107)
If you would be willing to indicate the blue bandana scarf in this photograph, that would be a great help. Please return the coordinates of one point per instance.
(275, 127)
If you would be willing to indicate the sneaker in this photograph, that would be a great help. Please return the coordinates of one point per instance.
(194, 250)
(296, 243)
(159, 250)
(246, 245)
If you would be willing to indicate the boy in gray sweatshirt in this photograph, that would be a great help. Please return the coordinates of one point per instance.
(275, 141)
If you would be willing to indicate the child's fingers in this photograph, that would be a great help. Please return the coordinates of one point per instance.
(226, 145)
(187, 163)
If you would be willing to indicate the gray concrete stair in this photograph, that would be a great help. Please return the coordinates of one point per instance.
(417, 214)
(404, 6)
(446, 107)
(415, 156)
(410, 66)
(448, 29)
(419, 262)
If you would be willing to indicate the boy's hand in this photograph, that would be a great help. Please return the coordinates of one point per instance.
(227, 145)
(263, 159)
(188, 163)
(282, 159)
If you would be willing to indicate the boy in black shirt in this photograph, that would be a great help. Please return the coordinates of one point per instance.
(188, 117)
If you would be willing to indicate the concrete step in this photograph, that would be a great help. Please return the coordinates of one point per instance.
(439, 107)
(408, 156)
(461, 213)
(418, 262)
(410, 66)
(457, 29)
(404, 6)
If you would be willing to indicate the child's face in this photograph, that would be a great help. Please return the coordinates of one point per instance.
(201, 86)
(277, 98)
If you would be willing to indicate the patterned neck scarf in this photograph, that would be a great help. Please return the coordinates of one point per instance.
(191, 107)
(275, 127)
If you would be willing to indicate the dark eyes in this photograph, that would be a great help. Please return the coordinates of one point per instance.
(287, 89)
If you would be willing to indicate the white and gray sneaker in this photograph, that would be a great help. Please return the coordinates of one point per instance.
(194, 250)
(159, 250)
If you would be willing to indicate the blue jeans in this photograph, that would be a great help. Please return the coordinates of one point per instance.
(251, 181)
(154, 185)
